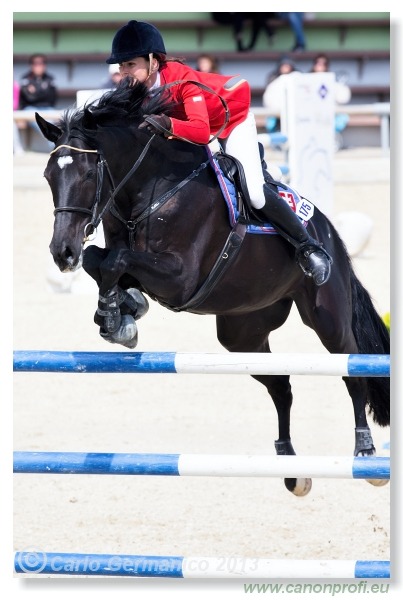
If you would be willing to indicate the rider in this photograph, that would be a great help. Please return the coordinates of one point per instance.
(139, 49)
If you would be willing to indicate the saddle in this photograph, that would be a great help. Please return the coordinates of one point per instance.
(233, 170)
(242, 217)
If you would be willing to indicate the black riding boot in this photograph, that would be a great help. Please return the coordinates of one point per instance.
(311, 256)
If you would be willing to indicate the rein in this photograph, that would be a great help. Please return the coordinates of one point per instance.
(132, 224)
(101, 164)
(111, 205)
(232, 245)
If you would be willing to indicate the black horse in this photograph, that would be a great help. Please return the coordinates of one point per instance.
(167, 234)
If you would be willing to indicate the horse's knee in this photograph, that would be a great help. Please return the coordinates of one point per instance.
(113, 267)
(93, 256)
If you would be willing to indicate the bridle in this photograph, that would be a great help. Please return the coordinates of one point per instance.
(91, 227)
(102, 164)
(97, 215)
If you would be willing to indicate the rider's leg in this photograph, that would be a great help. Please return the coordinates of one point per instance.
(242, 143)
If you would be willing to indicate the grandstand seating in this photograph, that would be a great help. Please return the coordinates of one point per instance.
(77, 44)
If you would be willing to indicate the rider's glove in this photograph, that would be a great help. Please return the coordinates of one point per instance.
(160, 124)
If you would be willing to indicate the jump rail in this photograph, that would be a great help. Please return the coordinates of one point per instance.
(243, 363)
(128, 565)
(210, 465)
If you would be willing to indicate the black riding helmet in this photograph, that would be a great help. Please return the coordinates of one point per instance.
(136, 39)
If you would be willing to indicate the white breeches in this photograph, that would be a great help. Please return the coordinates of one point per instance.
(242, 143)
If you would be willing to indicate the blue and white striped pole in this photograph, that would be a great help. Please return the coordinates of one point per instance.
(209, 465)
(243, 363)
(195, 567)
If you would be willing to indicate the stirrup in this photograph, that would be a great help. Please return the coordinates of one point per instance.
(320, 272)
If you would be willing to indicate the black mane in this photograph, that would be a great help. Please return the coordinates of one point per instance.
(124, 106)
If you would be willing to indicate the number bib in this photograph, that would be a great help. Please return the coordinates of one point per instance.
(301, 206)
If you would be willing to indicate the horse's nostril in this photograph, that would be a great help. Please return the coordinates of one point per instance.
(67, 253)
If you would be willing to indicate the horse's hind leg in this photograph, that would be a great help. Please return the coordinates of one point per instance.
(249, 333)
(332, 323)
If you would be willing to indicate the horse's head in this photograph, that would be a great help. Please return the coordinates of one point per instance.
(72, 176)
(76, 172)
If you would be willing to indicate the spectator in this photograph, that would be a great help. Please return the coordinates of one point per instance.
(17, 144)
(37, 86)
(321, 64)
(296, 22)
(207, 63)
(284, 66)
(38, 91)
(273, 96)
(237, 20)
(115, 77)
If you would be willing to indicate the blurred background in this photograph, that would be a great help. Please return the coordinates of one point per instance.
(357, 45)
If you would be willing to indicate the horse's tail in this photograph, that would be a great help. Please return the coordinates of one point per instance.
(372, 337)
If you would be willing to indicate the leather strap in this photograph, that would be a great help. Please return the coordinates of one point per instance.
(223, 262)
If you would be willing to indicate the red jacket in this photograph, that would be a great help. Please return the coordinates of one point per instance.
(199, 113)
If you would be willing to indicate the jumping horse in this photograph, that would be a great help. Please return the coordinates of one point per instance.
(168, 235)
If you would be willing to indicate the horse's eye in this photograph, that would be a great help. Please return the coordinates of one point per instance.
(89, 176)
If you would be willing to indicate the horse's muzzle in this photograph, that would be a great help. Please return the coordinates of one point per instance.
(66, 258)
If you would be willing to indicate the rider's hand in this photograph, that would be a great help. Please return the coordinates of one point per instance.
(160, 124)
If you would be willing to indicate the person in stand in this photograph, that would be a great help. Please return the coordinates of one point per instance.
(237, 20)
(37, 90)
(207, 63)
(139, 49)
(296, 22)
(321, 64)
(285, 66)
(114, 77)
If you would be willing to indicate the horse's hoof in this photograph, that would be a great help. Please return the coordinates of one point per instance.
(126, 335)
(140, 302)
(299, 486)
(375, 482)
(113, 324)
(378, 482)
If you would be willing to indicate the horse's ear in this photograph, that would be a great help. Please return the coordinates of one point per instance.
(51, 132)
(88, 120)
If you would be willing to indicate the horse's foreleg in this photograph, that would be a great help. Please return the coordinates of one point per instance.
(117, 309)
(120, 308)
(93, 256)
